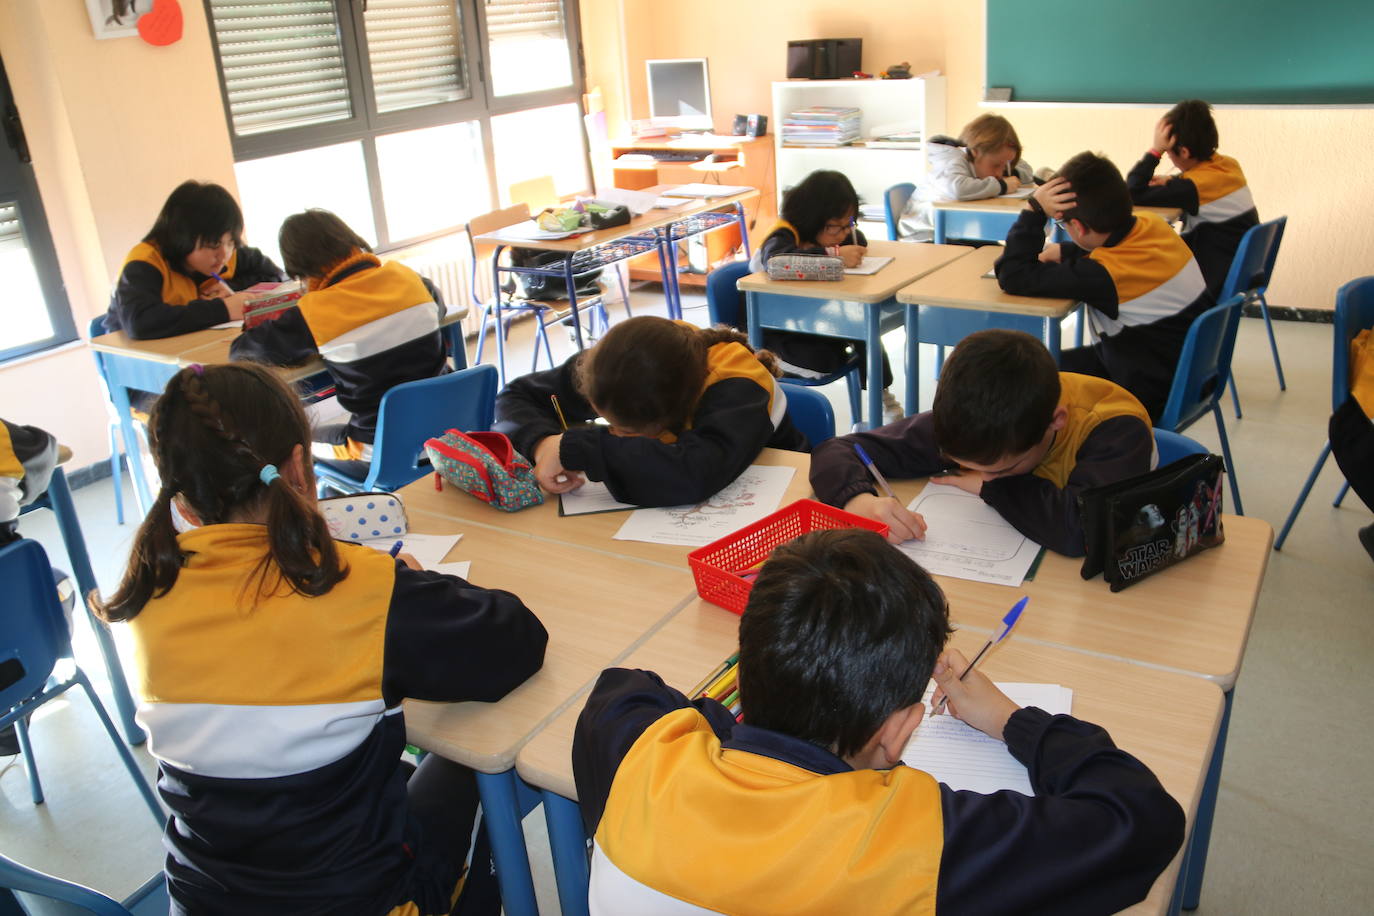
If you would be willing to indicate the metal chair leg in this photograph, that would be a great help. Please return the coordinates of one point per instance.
(1345, 488)
(502, 809)
(1235, 395)
(115, 475)
(21, 730)
(1302, 496)
(1230, 464)
(1273, 344)
(127, 758)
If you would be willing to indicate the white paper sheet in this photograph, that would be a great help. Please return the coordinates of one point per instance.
(697, 189)
(588, 498)
(530, 230)
(459, 569)
(1020, 193)
(869, 266)
(960, 756)
(428, 549)
(226, 325)
(967, 539)
(637, 201)
(755, 493)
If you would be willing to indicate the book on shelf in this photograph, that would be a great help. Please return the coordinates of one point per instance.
(821, 125)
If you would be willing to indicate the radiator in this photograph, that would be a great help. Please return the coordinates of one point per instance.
(450, 275)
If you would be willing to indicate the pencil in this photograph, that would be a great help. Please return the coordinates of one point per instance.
(721, 686)
(558, 409)
(719, 670)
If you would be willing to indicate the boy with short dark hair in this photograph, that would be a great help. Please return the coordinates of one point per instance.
(805, 807)
(1025, 437)
(1210, 188)
(1140, 281)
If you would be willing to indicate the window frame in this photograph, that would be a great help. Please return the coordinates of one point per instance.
(365, 124)
(37, 236)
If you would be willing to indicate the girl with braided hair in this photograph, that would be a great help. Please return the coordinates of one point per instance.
(273, 662)
(688, 409)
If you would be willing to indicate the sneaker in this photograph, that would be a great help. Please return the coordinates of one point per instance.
(892, 409)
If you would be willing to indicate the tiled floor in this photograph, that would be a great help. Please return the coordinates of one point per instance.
(1295, 823)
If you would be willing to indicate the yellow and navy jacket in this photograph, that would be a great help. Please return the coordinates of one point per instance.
(1107, 438)
(1217, 208)
(27, 458)
(1143, 285)
(784, 239)
(375, 326)
(155, 299)
(742, 409)
(278, 729)
(693, 813)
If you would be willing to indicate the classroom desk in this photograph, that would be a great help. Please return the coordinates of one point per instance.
(595, 606)
(990, 219)
(543, 525)
(1194, 618)
(1167, 719)
(947, 305)
(147, 365)
(860, 308)
(657, 230)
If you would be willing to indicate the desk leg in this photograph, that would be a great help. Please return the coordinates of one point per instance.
(673, 305)
(743, 229)
(60, 497)
(913, 359)
(572, 305)
(133, 452)
(1052, 333)
(672, 290)
(751, 315)
(458, 347)
(500, 329)
(1196, 861)
(502, 808)
(938, 219)
(875, 368)
(568, 845)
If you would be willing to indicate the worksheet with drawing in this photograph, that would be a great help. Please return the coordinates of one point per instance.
(967, 539)
(750, 497)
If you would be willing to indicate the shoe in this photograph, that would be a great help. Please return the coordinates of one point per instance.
(892, 409)
(1367, 539)
(9, 741)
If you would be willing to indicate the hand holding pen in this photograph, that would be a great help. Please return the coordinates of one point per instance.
(902, 524)
(957, 691)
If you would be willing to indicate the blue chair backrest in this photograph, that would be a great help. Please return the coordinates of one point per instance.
(33, 629)
(416, 411)
(1354, 313)
(894, 202)
(1253, 265)
(723, 298)
(810, 412)
(1204, 365)
(61, 896)
(1172, 446)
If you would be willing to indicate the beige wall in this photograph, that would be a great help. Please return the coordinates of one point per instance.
(113, 125)
(1305, 163)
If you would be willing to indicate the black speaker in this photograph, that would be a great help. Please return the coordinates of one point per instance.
(756, 125)
(740, 125)
(824, 58)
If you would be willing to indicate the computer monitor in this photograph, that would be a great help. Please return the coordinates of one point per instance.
(679, 93)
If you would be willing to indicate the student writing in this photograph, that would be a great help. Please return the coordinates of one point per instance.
(1210, 188)
(1142, 285)
(688, 408)
(985, 161)
(375, 325)
(805, 807)
(273, 662)
(1026, 438)
(191, 269)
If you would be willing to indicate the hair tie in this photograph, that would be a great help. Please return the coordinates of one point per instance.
(268, 474)
(198, 369)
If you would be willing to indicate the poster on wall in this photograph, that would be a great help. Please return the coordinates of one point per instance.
(116, 18)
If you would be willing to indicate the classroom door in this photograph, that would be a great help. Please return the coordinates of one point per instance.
(37, 315)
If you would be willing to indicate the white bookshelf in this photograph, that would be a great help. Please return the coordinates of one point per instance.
(886, 105)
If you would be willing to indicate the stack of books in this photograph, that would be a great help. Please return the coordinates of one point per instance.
(821, 126)
(906, 139)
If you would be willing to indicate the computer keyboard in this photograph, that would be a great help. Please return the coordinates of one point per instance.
(676, 155)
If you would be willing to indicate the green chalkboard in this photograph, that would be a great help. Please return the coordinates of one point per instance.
(1300, 52)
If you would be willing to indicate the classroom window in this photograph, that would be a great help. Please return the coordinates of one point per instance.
(425, 96)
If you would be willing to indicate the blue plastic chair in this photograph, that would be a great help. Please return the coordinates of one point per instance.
(895, 200)
(810, 412)
(410, 414)
(33, 639)
(19, 884)
(1200, 377)
(724, 305)
(1354, 313)
(1172, 446)
(1251, 270)
(97, 327)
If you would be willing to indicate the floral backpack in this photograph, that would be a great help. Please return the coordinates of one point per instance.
(486, 465)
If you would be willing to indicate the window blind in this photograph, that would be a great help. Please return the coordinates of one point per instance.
(11, 230)
(508, 19)
(415, 49)
(282, 62)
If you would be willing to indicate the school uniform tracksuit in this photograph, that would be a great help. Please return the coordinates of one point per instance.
(1107, 438)
(1217, 207)
(277, 724)
(741, 410)
(28, 456)
(692, 813)
(1143, 288)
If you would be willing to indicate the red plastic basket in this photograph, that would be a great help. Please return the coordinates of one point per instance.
(719, 567)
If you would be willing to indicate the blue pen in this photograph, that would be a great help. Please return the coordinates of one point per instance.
(873, 469)
(395, 548)
(1008, 622)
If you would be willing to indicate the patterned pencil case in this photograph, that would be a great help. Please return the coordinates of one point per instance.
(364, 515)
(805, 267)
